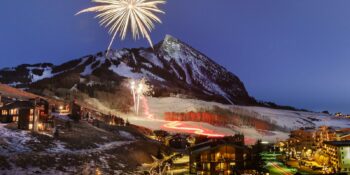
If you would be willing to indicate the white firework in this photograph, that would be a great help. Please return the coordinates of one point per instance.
(120, 15)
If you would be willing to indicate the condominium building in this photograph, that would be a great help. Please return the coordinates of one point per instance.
(339, 153)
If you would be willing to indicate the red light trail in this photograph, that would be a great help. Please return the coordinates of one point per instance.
(177, 125)
(180, 126)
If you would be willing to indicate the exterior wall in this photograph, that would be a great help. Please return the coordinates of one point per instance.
(76, 111)
(25, 121)
(8, 115)
(332, 152)
(344, 159)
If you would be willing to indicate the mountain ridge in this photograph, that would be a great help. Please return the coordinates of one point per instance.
(173, 67)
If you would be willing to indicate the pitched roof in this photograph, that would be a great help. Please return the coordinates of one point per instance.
(19, 104)
(212, 144)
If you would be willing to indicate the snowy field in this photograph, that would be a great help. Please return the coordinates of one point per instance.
(290, 119)
(156, 107)
(152, 112)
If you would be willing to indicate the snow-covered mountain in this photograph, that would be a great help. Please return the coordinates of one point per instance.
(172, 67)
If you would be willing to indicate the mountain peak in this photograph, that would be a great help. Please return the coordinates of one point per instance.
(174, 67)
(170, 38)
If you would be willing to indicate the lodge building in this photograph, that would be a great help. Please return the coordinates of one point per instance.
(33, 114)
(222, 156)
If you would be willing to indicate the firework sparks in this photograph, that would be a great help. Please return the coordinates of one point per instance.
(139, 89)
(120, 15)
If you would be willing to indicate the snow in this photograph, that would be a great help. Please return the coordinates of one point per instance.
(156, 107)
(119, 53)
(14, 84)
(74, 88)
(147, 65)
(47, 73)
(133, 58)
(151, 75)
(59, 147)
(283, 118)
(83, 61)
(125, 71)
(215, 88)
(35, 170)
(151, 57)
(175, 71)
(103, 147)
(126, 135)
(87, 71)
(13, 141)
(174, 52)
(297, 119)
(186, 57)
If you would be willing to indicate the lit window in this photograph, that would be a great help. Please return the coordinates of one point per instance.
(15, 118)
(4, 112)
(30, 126)
(31, 111)
(40, 126)
(13, 111)
(31, 118)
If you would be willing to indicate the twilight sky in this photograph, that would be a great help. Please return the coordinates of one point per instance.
(291, 52)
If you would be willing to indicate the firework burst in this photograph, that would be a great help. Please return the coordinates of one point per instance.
(121, 15)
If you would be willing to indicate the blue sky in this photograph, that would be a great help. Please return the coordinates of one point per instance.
(290, 52)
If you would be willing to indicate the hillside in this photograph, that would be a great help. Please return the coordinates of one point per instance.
(116, 150)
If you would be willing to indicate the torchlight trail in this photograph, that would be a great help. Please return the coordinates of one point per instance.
(120, 15)
(179, 126)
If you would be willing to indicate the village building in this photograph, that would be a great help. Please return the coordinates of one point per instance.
(339, 153)
(218, 156)
(300, 141)
(323, 134)
(31, 114)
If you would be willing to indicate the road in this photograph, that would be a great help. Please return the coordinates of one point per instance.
(276, 168)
